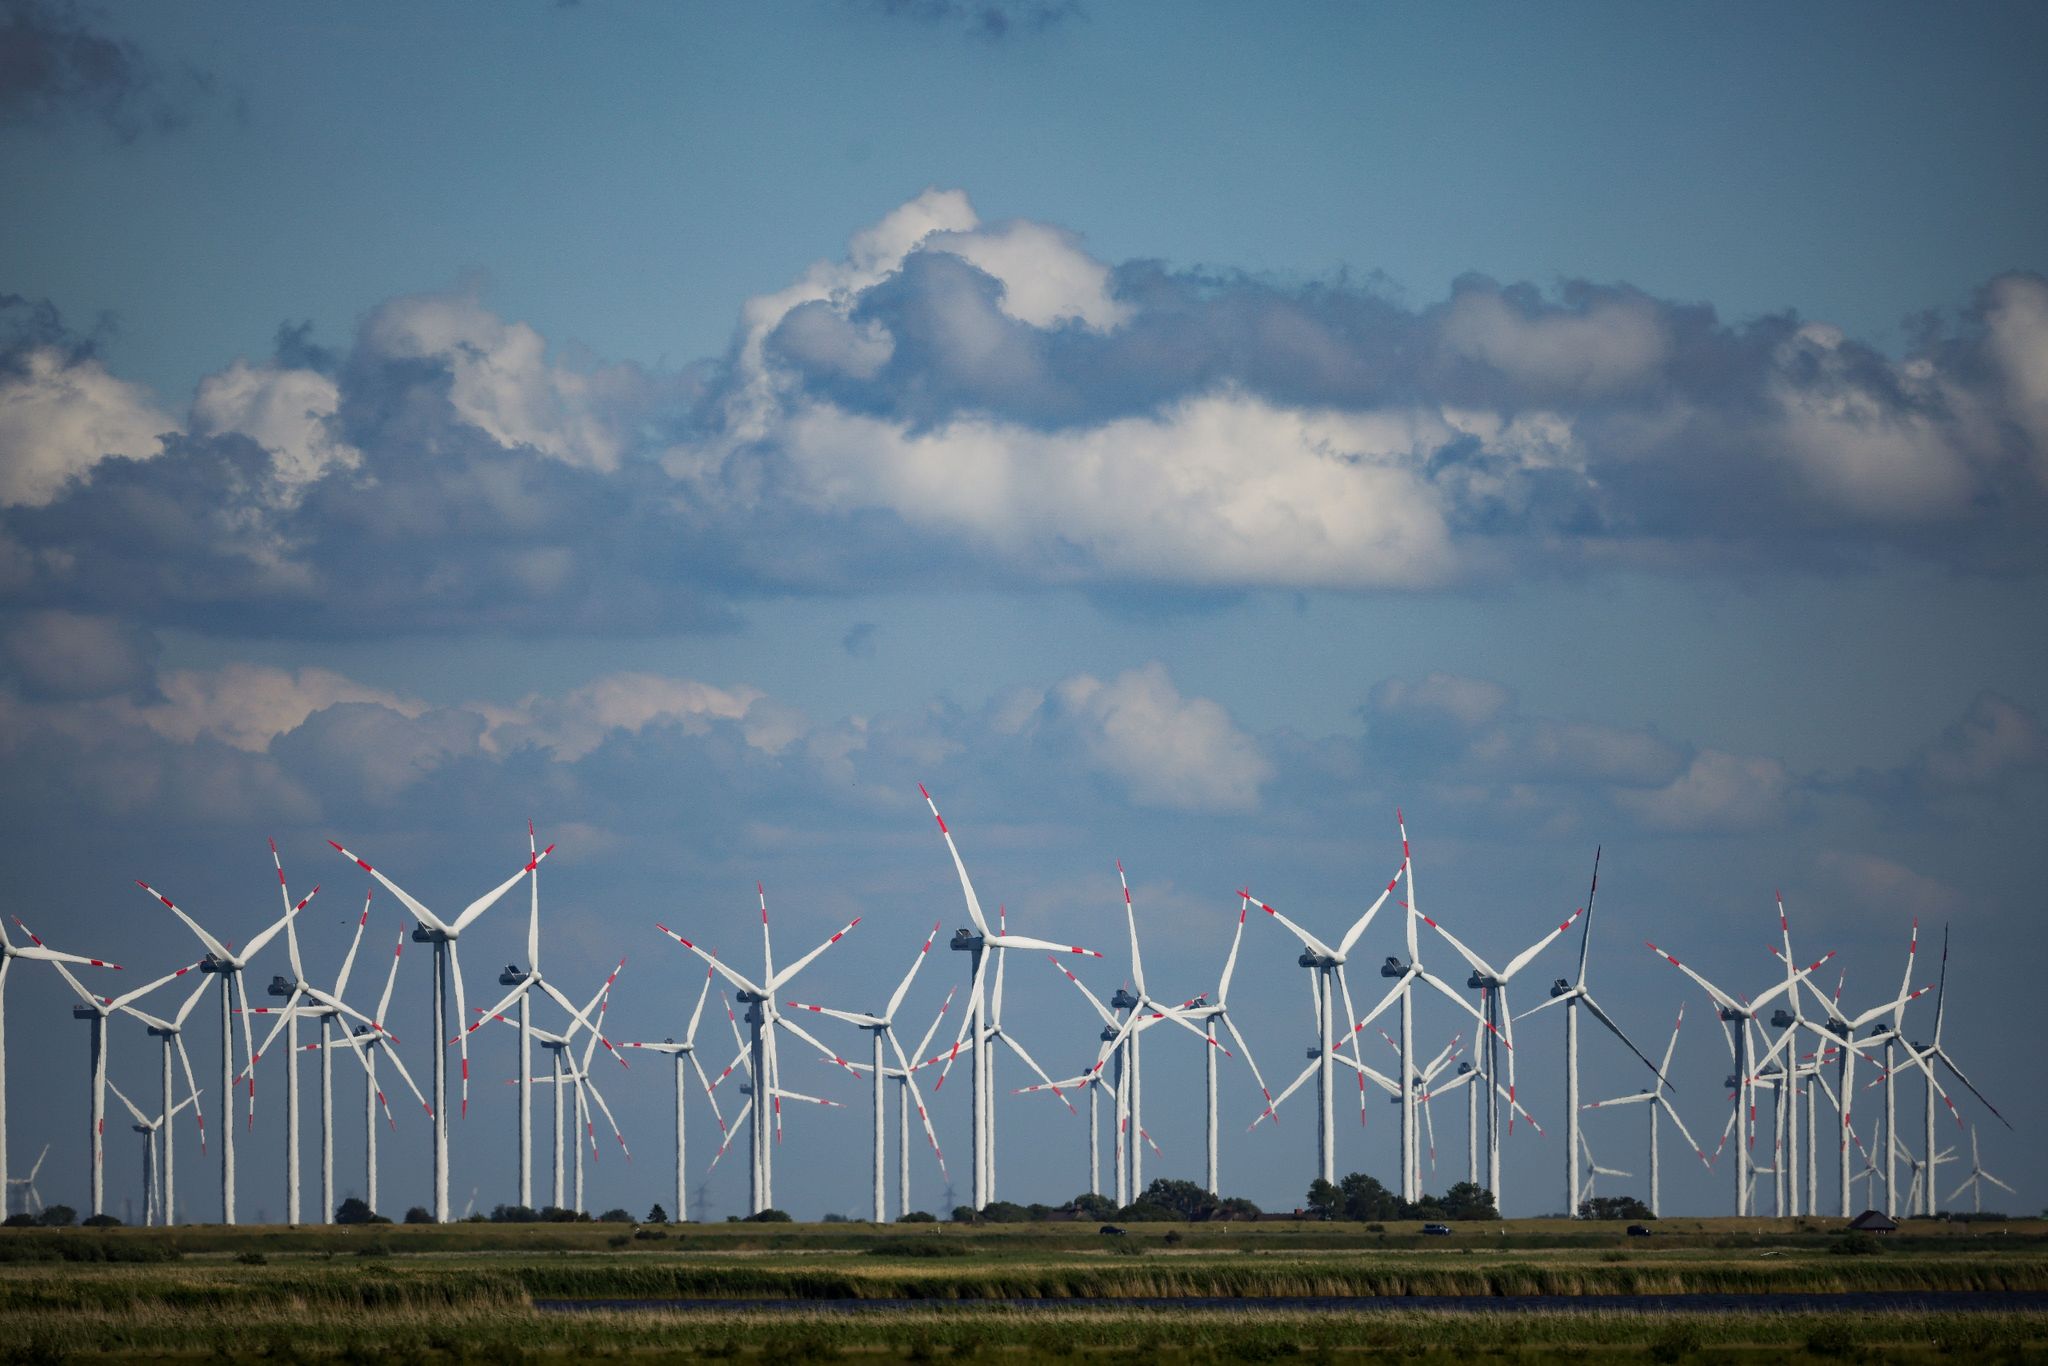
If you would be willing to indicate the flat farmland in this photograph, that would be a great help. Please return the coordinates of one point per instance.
(1532, 1290)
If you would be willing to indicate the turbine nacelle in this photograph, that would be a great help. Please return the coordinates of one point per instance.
(1393, 967)
(1783, 1019)
(966, 940)
(1314, 1051)
(279, 986)
(1560, 987)
(423, 933)
(1123, 1000)
(1731, 1014)
(512, 976)
(1480, 981)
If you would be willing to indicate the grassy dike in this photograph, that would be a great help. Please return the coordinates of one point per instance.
(468, 1291)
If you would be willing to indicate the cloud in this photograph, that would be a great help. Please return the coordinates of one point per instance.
(65, 655)
(953, 401)
(993, 20)
(1718, 792)
(859, 640)
(1882, 887)
(61, 413)
(57, 64)
(1994, 738)
(1167, 750)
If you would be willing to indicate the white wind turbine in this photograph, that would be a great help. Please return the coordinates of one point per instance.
(763, 1174)
(879, 1027)
(1655, 1099)
(1594, 1171)
(1327, 983)
(1123, 1019)
(1924, 1056)
(685, 1057)
(444, 936)
(1499, 1022)
(171, 1031)
(305, 1000)
(1426, 1091)
(229, 966)
(1572, 995)
(34, 951)
(576, 1077)
(1741, 1013)
(763, 1020)
(365, 1041)
(1978, 1176)
(155, 1192)
(1209, 1013)
(27, 1186)
(978, 1022)
(97, 1009)
(1851, 1048)
(523, 984)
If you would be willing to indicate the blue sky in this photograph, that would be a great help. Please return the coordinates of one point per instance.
(1175, 433)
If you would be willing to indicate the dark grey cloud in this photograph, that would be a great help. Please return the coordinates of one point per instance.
(990, 19)
(59, 63)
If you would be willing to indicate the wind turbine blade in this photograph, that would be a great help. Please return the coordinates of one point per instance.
(933, 1028)
(1719, 997)
(140, 1118)
(781, 979)
(116, 1002)
(291, 929)
(598, 1096)
(1040, 1072)
(533, 902)
(853, 1017)
(1246, 1049)
(1102, 1010)
(1423, 974)
(42, 952)
(738, 1127)
(192, 1086)
(1358, 926)
(1521, 960)
(504, 1004)
(697, 1013)
(390, 981)
(1019, 941)
(461, 1039)
(213, 946)
(793, 1027)
(241, 989)
(1308, 941)
(995, 1003)
(1230, 964)
(717, 965)
(1586, 934)
(967, 1021)
(1400, 985)
(270, 932)
(917, 1098)
(966, 883)
(1478, 964)
(411, 903)
(1574, 994)
(490, 898)
(348, 963)
(903, 987)
(1273, 1103)
(1615, 1029)
(1949, 1063)
(709, 1093)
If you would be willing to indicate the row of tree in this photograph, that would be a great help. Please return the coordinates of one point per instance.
(1363, 1198)
(1163, 1202)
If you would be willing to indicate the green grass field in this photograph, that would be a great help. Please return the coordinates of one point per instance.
(469, 1291)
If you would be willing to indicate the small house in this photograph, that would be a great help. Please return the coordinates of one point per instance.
(1873, 1221)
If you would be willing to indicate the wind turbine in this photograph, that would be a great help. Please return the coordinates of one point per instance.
(444, 936)
(1326, 981)
(977, 942)
(1572, 995)
(685, 1056)
(303, 998)
(229, 966)
(1123, 1018)
(523, 985)
(27, 1184)
(1593, 1171)
(155, 1192)
(1978, 1176)
(1499, 1021)
(762, 1019)
(171, 1031)
(364, 1041)
(576, 1075)
(1845, 1067)
(97, 1009)
(1924, 1056)
(1424, 1076)
(763, 1174)
(879, 1027)
(1210, 1013)
(35, 951)
(1655, 1099)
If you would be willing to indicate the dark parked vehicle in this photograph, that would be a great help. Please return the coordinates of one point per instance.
(1439, 1230)
(1638, 1230)
(1112, 1230)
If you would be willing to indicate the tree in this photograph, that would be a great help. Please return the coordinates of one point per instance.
(57, 1216)
(917, 1216)
(1468, 1200)
(352, 1211)
(418, 1214)
(657, 1215)
(1236, 1207)
(769, 1216)
(1004, 1212)
(1614, 1207)
(1365, 1198)
(1325, 1201)
(1092, 1206)
(963, 1214)
(1184, 1198)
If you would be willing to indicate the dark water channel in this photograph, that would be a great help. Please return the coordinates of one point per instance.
(1896, 1301)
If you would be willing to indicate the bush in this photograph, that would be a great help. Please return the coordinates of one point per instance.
(555, 1214)
(768, 1216)
(1855, 1245)
(419, 1214)
(1173, 1237)
(1004, 1212)
(932, 1246)
(618, 1240)
(1675, 1343)
(57, 1216)
(963, 1214)
(1614, 1207)
(475, 1219)
(615, 1216)
(353, 1211)
(101, 1221)
(252, 1259)
(1832, 1339)
(22, 1220)
(917, 1216)
(650, 1234)
(656, 1215)
(1093, 1206)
